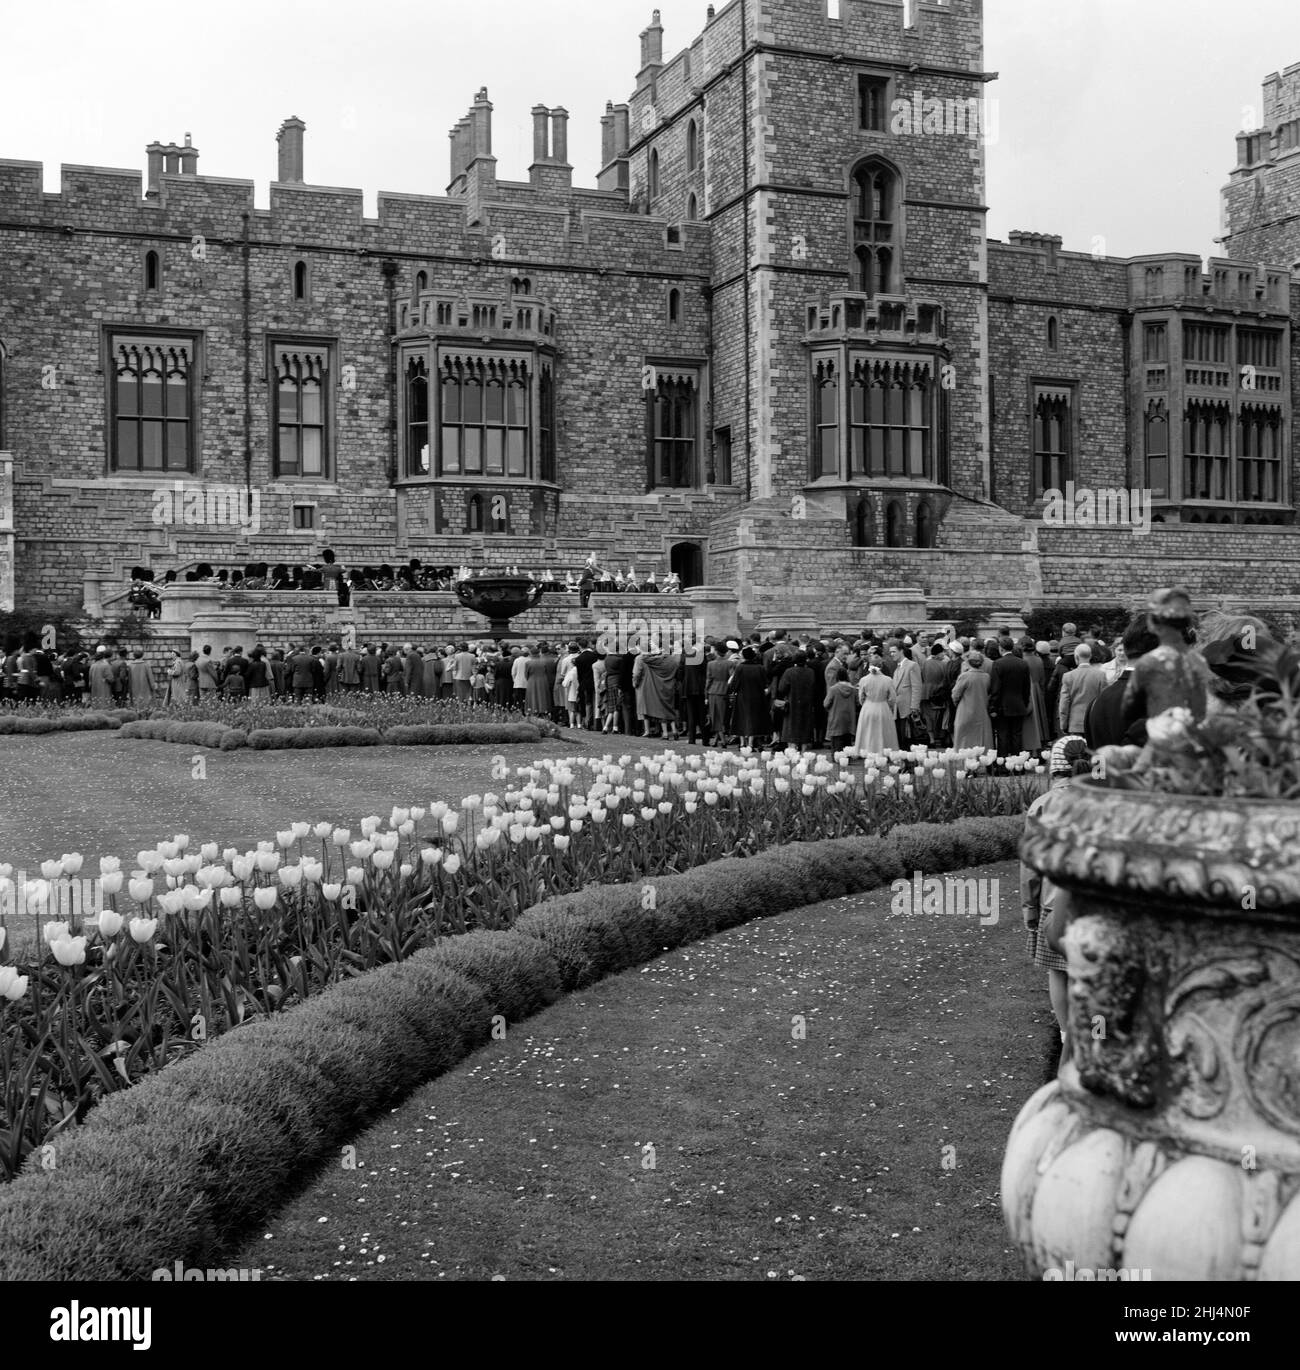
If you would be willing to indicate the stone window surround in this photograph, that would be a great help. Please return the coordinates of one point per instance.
(197, 375)
(536, 357)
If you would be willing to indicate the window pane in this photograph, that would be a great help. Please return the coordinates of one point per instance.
(495, 403)
(877, 404)
(417, 400)
(128, 445)
(177, 456)
(312, 452)
(152, 438)
(473, 400)
(877, 452)
(451, 450)
(897, 455)
(473, 450)
(897, 400)
(152, 394)
(494, 451)
(917, 454)
(289, 451)
(288, 402)
(829, 394)
(1158, 476)
(859, 451)
(126, 395)
(311, 402)
(516, 405)
(450, 400)
(517, 448)
(917, 406)
(858, 402)
(178, 398)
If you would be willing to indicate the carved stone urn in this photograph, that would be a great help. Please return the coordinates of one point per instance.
(499, 599)
(1170, 1141)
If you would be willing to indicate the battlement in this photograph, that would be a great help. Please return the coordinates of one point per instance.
(1282, 96)
(546, 214)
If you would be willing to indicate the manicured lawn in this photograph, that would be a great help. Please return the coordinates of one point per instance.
(870, 1149)
(104, 795)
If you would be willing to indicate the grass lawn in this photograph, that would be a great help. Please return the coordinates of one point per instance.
(870, 1149)
(105, 795)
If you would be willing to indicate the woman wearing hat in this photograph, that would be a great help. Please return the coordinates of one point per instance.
(751, 718)
(876, 731)
(972, 726)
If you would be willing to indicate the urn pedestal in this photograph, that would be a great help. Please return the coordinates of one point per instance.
(499, 599)
(1170, 1141)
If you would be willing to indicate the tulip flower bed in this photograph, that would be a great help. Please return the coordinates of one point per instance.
(196, 942)
(182, 1166)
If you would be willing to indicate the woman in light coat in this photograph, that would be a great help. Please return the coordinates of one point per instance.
(972, 726)
(876, 733)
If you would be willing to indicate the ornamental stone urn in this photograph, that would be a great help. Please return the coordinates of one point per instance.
(1170, 1140)
(499, 598)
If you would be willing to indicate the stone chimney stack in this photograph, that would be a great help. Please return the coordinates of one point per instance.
(560, 135)
(154, 152)
(189, 158)
(607, 134)
(617, 135)
(171, 160)
(289, 139)
(652, 43)
(541, 134)
(481, 114)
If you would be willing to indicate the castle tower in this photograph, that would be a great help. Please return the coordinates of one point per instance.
(1259, 200)
(838, 154)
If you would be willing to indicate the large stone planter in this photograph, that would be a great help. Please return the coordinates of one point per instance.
(1170, 1141)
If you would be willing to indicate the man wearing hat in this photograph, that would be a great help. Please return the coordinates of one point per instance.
(717, 675)
(694, 685)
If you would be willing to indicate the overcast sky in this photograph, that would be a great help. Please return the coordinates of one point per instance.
(1114, 118)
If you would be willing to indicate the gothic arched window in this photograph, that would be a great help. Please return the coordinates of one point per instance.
(876, 230)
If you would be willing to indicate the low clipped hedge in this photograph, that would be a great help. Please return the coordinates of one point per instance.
(453, 734)
(227, 738)
(99, 719)
(302, 739)
(192, 734)
(181, 1166)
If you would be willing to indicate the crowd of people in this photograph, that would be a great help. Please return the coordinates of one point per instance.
(874, 693)
(329, 574)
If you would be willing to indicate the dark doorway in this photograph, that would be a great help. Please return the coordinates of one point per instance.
(686, 560)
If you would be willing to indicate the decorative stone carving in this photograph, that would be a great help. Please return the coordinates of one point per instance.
(1174, 1124)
